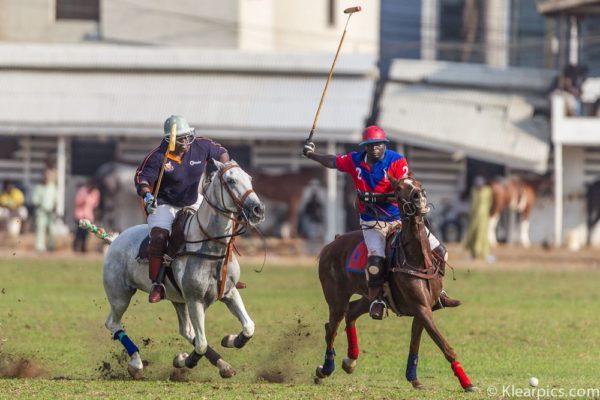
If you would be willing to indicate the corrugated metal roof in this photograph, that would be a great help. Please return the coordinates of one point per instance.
(79, 90)
(454, 74)
(496, 127)
(117, 57)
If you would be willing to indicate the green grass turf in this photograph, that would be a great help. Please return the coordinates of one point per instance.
(513, 325)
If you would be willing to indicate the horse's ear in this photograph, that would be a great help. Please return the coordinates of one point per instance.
(212, 166)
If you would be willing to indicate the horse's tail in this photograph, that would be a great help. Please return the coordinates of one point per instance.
(99, 232)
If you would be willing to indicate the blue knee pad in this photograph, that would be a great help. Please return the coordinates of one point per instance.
(329, 363)
(411, 367)
(121, 336)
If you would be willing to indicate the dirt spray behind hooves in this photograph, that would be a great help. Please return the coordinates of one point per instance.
(281, 360)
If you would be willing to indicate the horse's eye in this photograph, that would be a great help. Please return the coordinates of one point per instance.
(230, 181)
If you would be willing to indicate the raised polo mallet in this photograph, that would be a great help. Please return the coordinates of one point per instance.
(171, 148)
(349, 11)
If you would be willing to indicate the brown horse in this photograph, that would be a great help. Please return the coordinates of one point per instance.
(287, 188)
(516, 195)
(414, 281)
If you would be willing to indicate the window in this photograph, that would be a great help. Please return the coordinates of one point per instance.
(461, 31)
(78, 9)
(527, 34)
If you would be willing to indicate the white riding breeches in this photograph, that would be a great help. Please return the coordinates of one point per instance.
(165, 215)
(375, 233)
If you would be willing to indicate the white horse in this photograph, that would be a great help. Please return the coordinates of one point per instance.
(229, 200)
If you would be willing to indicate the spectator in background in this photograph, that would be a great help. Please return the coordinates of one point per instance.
(87, 200)
(12, 208)
(477, 241)
(571, 84)
(44, 199)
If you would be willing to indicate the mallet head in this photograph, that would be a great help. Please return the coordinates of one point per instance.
(351, 10)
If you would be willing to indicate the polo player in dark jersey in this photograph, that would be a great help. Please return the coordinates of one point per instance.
(179, 188)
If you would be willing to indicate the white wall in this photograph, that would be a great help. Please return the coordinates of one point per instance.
(34, 21)
(203, 23)
(574, 210)
(302, 25)
(256, 22)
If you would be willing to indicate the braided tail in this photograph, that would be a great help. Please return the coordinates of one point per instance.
(99, 232)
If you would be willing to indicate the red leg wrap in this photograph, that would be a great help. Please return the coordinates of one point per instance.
(353, 350)
(461, 375)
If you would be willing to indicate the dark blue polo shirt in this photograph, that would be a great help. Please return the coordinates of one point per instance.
(179, 185)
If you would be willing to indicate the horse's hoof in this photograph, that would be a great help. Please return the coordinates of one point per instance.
(348, 365)
(417, 385)
(135, 373)
(225, 370)
(179, 360)
(227, 373)
(471, 389)
(228, 341)
(320, 374)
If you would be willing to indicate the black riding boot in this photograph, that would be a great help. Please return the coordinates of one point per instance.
(375, 283)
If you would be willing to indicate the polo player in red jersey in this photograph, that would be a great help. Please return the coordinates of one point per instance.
(369, 170)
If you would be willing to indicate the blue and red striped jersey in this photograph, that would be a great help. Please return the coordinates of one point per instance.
(374, 179)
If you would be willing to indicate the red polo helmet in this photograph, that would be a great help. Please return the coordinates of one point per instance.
(373, 134)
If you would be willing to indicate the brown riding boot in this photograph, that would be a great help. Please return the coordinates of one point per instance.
(375, 284)
(156, 250)
(157, 292)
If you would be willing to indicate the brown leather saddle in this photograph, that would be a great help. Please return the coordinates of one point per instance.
(176, 239)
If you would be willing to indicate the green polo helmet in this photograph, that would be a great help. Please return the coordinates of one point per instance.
(182, 126)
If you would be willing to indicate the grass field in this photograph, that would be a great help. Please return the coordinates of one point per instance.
(514, 324)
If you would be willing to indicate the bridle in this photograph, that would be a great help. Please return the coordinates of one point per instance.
(239, 202)
(409, 209)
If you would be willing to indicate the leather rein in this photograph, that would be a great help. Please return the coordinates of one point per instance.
(240, 222)
(432, 269)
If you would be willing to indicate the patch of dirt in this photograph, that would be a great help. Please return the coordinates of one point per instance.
(118, 369)
(179, 375)
(11, 367)
(281, 365)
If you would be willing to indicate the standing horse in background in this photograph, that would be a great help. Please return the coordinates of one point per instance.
(286, 188)
(120, 204)
(204, 272)
(514, 195)
(414, 283)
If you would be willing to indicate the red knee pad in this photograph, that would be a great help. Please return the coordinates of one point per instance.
(461, 375)
(353, 350)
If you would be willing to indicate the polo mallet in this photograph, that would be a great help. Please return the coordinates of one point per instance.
(172, 140)
(348, 11)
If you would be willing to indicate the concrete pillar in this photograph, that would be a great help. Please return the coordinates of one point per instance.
(331, 221)
(429, 22)
(27, 162)
(497, 17)
(61, 173)
(574, 41)
(558, 194)
(558, 115)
